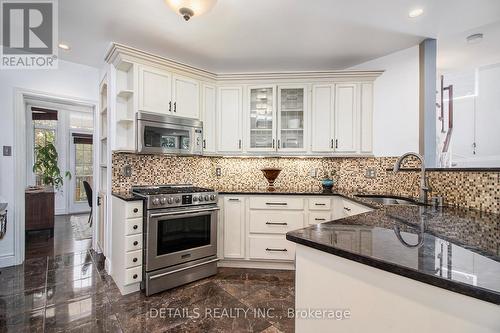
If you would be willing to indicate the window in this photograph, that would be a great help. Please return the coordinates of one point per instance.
(83, 165)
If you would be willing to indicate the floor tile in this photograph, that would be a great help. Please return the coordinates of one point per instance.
(24, 322)
(25, 301)
(23, 283)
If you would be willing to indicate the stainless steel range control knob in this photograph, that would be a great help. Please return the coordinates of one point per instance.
(170, 200)
(206, 197)
(212, 197)
(200, 198)
(163, 200)
(156, 201)
(195, 199)
(177, 200)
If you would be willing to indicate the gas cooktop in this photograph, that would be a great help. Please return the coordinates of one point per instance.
(169, 189)
(172, 196)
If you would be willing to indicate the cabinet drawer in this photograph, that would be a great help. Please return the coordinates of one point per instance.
(133, 275)
(133, 226)
(276, 202)
(134, 209)
(275, 222)
(351, 208)
(320, 204)
(133, 259)
(133, 242)
(315, 217)
(271, 248)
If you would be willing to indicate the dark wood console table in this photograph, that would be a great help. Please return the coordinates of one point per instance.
(39, 210)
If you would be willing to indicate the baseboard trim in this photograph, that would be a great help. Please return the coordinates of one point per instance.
(107, 266)
(7, 260)
(257, 264)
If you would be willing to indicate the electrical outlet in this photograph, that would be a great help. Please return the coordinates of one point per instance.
(370, 173)
(127, 171)
(313, 172)
(218, 171)
(7, 150)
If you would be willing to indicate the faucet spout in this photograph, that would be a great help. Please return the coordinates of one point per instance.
(424, 185)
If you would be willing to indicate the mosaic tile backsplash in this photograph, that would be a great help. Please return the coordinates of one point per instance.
(478, 190)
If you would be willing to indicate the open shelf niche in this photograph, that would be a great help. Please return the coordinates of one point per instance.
(125, 107)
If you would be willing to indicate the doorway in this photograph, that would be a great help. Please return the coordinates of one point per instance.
(58, 216)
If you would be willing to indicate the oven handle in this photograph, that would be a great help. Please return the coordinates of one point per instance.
(183, 269)
(184, 213)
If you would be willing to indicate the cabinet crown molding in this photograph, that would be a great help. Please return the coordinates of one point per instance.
(118, 52)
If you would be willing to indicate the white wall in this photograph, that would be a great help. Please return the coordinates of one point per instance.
(71, 80)
(395, 113)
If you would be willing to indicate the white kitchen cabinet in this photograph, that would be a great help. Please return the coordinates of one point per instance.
(346, 124)
(234, 227)
(292, 118)
(261, 118)
(155, 91)
(209, 118)
(366, 115)
(229, 113)
(185, 97)
(323, 97)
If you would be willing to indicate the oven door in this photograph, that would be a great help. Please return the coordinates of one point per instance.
(175, 237)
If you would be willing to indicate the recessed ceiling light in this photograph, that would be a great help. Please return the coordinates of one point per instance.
(64, 46)
(415, 12)
(474, 38)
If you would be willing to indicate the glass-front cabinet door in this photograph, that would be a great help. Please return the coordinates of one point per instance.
(291, 118)
(262, 118)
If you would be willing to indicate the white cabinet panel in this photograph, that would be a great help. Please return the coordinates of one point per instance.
(320, 203)
(234, 227)
(275, 222)
(261, 120)
(319, 217)
(322, 118)
(366, 115)
(346, 126)
(186, 97)
(276, 202)
(229, 101)
(154, 90)
(271, 248)
(292, 120)
(209, 119)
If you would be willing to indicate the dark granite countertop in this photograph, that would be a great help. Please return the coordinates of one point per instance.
(453, 248)
(127, 196)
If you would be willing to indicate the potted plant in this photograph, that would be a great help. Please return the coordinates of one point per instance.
(46, 159)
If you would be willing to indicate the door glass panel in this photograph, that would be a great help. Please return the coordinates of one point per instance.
(183, 233)
(83, 169)
(261, 118)
(292, 118)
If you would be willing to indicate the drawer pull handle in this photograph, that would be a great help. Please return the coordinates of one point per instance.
(320, 204)
(136, 210)
(318, 219)
(135, 227)
(277, 223)
(276, 203)
(136, 243)
(348, 209)
(233, 199)
(276, 250)
(135, 276)
(134, 260)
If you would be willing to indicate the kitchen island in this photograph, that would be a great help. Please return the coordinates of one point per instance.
(418, 268)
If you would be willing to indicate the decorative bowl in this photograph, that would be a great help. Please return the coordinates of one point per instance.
(271, 174)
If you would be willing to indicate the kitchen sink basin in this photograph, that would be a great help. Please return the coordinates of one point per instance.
(388, 200)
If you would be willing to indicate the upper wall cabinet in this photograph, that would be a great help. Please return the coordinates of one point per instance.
(229, 113)
(209, 118)
(261, 119)
(342, 118)
(155, 90)
(162, 92)
(292, 120)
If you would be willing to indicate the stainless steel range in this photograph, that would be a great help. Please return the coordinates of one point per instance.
(180, 235)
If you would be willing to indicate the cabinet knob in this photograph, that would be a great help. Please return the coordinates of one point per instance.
(136, 243)
(134, 260)
(136, 210)
(135, 226)
(135, 276)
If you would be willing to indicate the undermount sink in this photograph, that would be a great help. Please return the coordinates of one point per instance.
(388, 200)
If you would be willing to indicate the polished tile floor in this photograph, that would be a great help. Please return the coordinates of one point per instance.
(72, 292)
(40, 244)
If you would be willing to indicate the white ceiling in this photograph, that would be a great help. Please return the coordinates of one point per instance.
(265, 35)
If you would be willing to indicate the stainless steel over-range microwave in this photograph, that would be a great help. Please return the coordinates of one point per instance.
(164, 134)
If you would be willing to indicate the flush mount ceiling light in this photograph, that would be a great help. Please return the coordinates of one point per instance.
(64, 46)
(474, 38)
(415, 12)
(190, 8)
